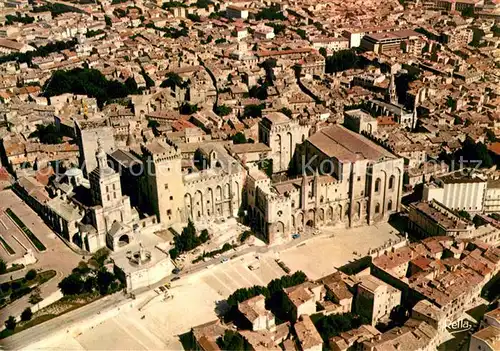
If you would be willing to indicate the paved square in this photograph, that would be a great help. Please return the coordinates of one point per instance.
(320, 256)
(197, 297)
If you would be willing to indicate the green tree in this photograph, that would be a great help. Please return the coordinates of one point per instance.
(35, 296)
(278, 27)
(71, 285)
(464, 214)
(473, 153)
(323, 52)
(82, 268)
(468, 11)
(204, 236)
(42, 51)
(253, 110)
(301, 33)
(343, 60)
(286, 111)
(100, 256)
(187, 109)
(30, 275)
(490, 134)
(232, 340)
(149, 82)
(193, 17)
(84, 81)
(333, 325)
(203, 4)
(108, 21)
(90, 284)
(245, 235)
(56, 9)
(270, 13)
(173, 80)
(187, 240)
(26, 314)
(258, 92)
(223, 110)
(172, 4)
(11, 323)
(104, 280)
(153, 124)
(244, 294)
(174, 253)
(47, 134)
(5, 287)
(239, 138)
(92, 33)
(131, 85)
(10, 19)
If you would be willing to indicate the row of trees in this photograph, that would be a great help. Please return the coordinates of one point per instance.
(56, 9)
(18, 18)
(188, 240)
(42, 51)
(272, 13)
(172, 32)
(89, 82)
(471, 154)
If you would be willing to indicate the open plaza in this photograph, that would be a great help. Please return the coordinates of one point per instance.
(198, 297)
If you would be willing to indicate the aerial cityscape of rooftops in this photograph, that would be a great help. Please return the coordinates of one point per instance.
(250, 175)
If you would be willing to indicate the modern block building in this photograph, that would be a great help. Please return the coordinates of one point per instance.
(460, 190)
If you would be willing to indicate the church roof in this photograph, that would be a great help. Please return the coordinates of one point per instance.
(118, 229)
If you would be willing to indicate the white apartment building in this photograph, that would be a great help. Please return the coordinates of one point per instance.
(236, 12)
(460, 190)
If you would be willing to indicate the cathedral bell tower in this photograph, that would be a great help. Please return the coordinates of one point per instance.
(104, 181)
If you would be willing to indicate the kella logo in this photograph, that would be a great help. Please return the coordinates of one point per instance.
(460, 326)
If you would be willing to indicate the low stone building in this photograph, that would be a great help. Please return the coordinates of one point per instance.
(254, 310)
(434, 219)
(307, 335)
(303, 298)
(376, 299)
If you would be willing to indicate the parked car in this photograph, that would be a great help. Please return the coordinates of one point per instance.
(174, 279)
(295, 236)
(176, 270)
(224, 260)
